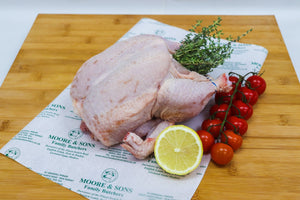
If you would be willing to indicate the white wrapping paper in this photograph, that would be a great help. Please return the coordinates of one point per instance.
(53, 146)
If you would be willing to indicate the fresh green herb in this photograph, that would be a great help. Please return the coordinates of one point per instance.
(203, 51)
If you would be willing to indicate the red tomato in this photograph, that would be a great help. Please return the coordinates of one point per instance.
(219, 111)
(256, 83)
(232, 139)
(221, 153)
(237, 125)
(242, 109)
(224, 97)
(234, 81)
(247, 95)
(213, 126)
(207, 140)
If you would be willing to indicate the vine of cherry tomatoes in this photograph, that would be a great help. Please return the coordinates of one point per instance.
(222, 133)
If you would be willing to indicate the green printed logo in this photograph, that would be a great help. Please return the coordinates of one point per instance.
(159, 32)
(106, 186)
(75, 134)
(13, 152)
(109, 175)
(56, 106)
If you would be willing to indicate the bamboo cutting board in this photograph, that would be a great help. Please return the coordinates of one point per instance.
(267, 165)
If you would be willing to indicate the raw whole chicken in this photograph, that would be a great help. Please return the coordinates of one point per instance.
(134, 89)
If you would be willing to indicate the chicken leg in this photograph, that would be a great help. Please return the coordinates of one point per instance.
(140, 148)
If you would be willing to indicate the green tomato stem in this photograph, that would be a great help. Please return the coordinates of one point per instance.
(241, 78)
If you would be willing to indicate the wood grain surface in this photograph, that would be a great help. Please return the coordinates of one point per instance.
(266, 167)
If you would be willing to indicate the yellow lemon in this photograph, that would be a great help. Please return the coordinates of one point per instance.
(178, 150)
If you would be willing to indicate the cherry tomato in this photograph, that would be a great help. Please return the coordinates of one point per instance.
(232, 139)
(247, 95)
(234, 81)
(221, 153)
(219, 111)
(237, 125)
(207, 140)
(213, 126)
(224, 97)
(241, 109)
(256, 83)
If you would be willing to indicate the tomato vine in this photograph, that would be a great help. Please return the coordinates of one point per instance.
(232, 124)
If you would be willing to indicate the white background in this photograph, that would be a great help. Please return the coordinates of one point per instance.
(17, 17)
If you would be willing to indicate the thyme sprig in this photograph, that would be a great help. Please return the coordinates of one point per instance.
(201, 51)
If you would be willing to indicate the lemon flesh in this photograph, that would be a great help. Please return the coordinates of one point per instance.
(178, 150)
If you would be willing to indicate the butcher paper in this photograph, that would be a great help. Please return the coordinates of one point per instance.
(53, 146)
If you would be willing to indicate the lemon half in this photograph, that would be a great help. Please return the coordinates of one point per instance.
(178, 150)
